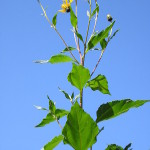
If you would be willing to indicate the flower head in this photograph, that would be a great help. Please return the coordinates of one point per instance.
(66, 6)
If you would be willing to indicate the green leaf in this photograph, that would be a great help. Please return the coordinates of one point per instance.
(114, 34)
(128, 146)
(115, 108)
(95, 39)
(114, 147)
(72, 96)
(65, 93)
(103, 43)
(73, 18)
(99, 83)
(79, 36)
(52, 107)
(95, 10)
(60, 59)
(49, 118)
(54, 21)
(53, 143)
(60, 113)
(66, 49)
(78, 76)
(80, 130)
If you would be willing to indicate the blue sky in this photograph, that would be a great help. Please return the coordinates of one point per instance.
(25, 36)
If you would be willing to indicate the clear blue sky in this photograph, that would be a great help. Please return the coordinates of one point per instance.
(25, 36)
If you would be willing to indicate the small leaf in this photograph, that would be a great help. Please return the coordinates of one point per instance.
(95, 39)
(73, 18)
(115, 108)
(114, 147)
(54, 21)
(65, 93)
(103, 43)
(114, 34)
(128, 146)
(66, 49)
(79, 36)
(41, 61)
(78, 76)
(99, 83)
(95, 10)
(52, 107)
(49, 118)
(72, 96)
(60, 113)
(53, 143)
(80, 130)
(60, 59)
(39, 107)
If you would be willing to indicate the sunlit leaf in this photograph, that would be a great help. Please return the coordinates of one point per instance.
(78, 76)
(60, 59)
(114, 147)
(53, 143)
(95, 39)
(79, 36)
(66, 49)
(115, 108)
(80, 130)
(73, 18)
(39, 107)
(65, 93)
(60, 113)
(54, 21)
(52, 106)
(49, 118)
(99, 83)
(95, 10)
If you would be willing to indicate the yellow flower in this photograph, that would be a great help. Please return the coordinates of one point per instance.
(66, 6)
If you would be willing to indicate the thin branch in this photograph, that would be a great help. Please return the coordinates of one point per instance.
(59, 123)
(56, 31)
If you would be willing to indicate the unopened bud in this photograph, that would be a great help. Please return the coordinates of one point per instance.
(109, 18)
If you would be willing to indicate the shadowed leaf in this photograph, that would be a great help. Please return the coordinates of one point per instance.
(66, 49)
(115, 108)
(114, 147)
(99, 83)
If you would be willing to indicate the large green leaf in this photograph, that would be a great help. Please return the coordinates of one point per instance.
(49, 118)
(80, 130)
(95, 39)
(53, 143)
(78, 76)
(99, 83)
(115, 108)
(60, 59)
(114, 147)
(73, 18)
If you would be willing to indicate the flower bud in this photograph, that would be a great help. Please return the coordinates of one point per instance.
(109, 18)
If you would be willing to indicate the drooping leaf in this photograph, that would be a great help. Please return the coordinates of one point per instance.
(80, 130)
(49, 118)
(95, 39)
(65, 93)
(60, 59)
(128, 146)
(73, 18)
(114, 34)
(39, 107)
(95, 10)
(53, 143)
(115, 108)
(99, 83)
(114, 147)
(60, 113)
(66, 49)
(79, 36)
(78, 76)
(54, 21)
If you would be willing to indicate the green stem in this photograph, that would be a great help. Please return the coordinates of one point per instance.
(81, 98)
